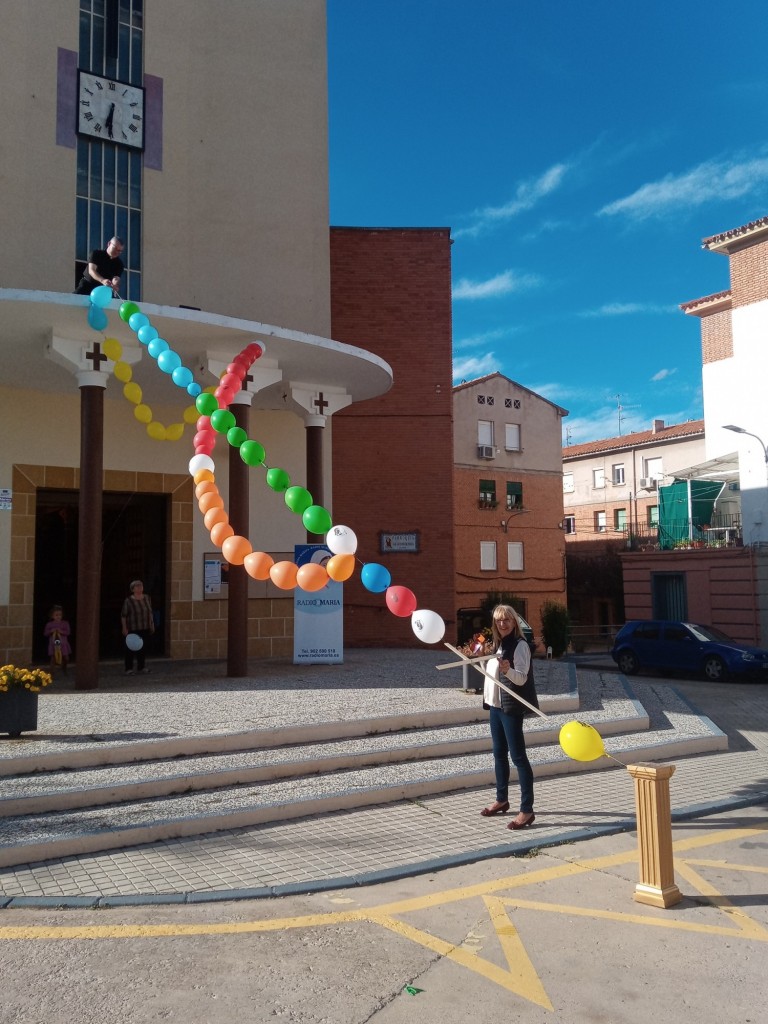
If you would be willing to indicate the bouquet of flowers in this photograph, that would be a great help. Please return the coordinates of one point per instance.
(478, 645)
(33, 679)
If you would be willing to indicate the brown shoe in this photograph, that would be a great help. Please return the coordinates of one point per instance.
(497, 807)
(522, 821)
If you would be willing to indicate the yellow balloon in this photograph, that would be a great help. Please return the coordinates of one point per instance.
(154, 429)
(143, 413)
(112, 348)
(132, 392)
(123, 372)
(174, 431)
(581, 742)
(191, 415)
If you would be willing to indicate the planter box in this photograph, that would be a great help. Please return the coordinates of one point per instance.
(18, 712)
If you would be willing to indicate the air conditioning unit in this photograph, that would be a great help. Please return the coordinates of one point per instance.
(486, 451)
(647, 483)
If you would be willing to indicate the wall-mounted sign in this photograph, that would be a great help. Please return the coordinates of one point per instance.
(399, 542)
(215, 576)
(6, 499)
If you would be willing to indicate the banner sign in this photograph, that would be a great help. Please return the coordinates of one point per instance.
(318, 617)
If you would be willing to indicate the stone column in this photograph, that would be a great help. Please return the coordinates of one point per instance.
(261, 375)
(92, 385)
(318, 405)
(84, 360)
(239, 518)
(654, 835)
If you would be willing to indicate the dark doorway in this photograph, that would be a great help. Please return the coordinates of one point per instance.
(669, 598)
(134, 530)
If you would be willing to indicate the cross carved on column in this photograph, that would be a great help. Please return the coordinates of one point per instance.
(321, 404)
(96, 356)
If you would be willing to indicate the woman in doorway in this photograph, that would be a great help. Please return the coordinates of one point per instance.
(136, 617)
(512, 664)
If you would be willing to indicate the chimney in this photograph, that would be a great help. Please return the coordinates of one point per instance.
(658, 426)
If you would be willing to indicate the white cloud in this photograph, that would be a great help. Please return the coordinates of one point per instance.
(527, 195)
(627, 309)
(471, 367)
(476, 340)
(501, 284)
(711, 180)
(663, 374)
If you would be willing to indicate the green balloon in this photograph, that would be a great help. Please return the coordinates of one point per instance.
(222, 420)
(317, 519)
(127, 310)
(236, 436)
(278, 479)
(252, 453)
(206, 403)
(298, 499)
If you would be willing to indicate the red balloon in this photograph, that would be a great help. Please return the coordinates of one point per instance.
(401, 601)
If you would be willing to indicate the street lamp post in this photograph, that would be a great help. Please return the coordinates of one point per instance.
(741, 430)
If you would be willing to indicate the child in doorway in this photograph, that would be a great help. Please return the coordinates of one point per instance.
(57, 630)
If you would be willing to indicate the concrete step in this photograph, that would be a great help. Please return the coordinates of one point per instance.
(612, 710)
(92, 748)
(676, 730)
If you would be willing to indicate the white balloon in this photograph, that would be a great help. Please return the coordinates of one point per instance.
(428, 626)
(134, 642)
(198, 462)
(341, 540)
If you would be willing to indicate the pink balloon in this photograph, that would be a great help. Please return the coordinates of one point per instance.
(401, 601)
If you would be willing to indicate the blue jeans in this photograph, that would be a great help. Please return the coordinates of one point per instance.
(508, 741)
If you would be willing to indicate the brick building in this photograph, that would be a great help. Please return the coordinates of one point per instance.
(724, 585)
(508, 504)
(393, 455)
(611, 503)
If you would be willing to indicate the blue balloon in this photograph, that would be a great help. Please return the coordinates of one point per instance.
(194, 389)
(147, 333)
(169, 361)
(97, 318)
(157, 346)
(102, 296)
(182, 376)
(375, 577)
(137, 320)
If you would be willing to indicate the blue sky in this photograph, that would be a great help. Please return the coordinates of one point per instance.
(579, 153)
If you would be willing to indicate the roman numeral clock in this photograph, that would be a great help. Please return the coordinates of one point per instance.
(110, 110)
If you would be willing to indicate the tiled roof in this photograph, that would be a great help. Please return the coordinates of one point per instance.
(734, 233)
(706, 300)
(635, 440)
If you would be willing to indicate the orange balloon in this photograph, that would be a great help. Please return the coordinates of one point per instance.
(213, 516)
(311, 576)
(220, 532)
(202, 474)
(209, 501)
(206, 487)
(283, 575)
(258, 564)
(235, 549)
(340, 567)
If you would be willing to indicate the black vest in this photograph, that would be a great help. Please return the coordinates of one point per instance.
(527, 691)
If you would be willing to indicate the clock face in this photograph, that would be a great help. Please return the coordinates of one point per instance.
(110, 110)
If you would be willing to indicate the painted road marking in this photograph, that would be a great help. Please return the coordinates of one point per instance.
(499, 897)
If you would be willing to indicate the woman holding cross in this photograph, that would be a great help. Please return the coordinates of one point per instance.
(514, 665)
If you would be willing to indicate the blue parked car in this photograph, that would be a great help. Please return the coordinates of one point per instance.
(685, 647)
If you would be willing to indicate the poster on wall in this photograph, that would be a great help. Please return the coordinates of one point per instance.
(318, 619)
(215, 576)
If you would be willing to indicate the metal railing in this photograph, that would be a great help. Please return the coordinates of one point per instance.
(685, 534)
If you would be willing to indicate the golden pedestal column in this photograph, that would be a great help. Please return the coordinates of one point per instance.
(654, 835)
